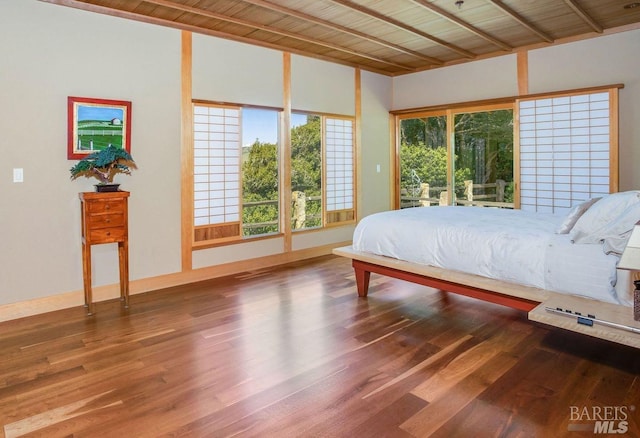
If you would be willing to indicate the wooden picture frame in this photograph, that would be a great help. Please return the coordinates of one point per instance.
(93, 124)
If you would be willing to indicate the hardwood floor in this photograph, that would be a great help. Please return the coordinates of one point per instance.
(293, 352)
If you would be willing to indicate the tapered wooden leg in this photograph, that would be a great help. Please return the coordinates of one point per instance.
(86, 270)
(123, 256)
(362, 278)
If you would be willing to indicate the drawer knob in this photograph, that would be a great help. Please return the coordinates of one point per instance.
(108, 220)
(107, 207)
(108, 233)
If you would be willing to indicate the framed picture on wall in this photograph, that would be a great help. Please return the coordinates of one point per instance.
(94, 124)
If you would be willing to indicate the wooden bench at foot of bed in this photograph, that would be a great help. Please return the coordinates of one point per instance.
(530, 299)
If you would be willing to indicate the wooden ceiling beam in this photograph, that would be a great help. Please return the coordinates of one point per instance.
(444, 14)
(584, 16)
(386, 19)
(257, 26)
(306, 45)
(315, 20)
(498, 4)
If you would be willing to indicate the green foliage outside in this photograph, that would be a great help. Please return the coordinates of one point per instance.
(483, 152)
(492, 133)
(260, 179)
(419, 164)
(306, 167)
(260, 183)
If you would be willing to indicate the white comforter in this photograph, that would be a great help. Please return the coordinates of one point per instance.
(511, 245)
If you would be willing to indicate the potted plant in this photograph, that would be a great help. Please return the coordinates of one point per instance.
(104, 165)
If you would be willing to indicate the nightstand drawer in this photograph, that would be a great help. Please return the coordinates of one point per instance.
(106, 235)
(105, 220)
(106, 206)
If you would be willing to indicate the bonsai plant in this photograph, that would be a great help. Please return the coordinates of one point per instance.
(104, 165)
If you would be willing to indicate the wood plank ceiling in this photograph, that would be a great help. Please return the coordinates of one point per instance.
(391, 37)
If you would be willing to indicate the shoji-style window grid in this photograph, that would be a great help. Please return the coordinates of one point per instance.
(339, 170)
(566, 150)
(216, 172)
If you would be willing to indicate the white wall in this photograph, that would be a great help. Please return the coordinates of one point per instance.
(48, 53)
(228, 71)
(376, 130)
(322, 86)
(485, 79)
(604, 60)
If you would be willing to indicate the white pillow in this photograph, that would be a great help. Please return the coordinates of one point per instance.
(589, 227)
(574, 214)
(616, 234)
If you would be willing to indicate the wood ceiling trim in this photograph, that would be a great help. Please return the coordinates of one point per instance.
(444, 14)
(498, 4)
(583, 14)
(257, 26)
(386, 45)
(400, 25)
(333, 26)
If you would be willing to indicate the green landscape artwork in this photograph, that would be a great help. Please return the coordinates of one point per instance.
(98, 127)
(97, 123)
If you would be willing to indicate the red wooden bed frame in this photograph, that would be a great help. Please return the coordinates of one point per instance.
(363, 272)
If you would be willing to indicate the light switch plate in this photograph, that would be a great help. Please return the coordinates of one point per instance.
(18, 175)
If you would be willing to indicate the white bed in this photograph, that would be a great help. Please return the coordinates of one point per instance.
(556, 268)
(510, 245)
(512, 257)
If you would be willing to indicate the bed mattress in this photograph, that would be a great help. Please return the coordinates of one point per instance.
(510, 245)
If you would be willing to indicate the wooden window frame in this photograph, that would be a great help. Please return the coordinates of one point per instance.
(487, 104)
(212, 235)
(613, 149)
(344, 216)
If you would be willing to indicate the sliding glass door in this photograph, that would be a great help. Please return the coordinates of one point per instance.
(460, 157)
(483, 158)
(423, 160)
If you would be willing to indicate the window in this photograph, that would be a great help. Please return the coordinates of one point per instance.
(306, 171)
(236, 172)
(565, 150)
(260, 176)
(235, 182)
(322, 171)
(471, 166)
(339, 170)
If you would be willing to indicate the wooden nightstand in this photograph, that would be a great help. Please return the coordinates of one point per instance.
(105, 220)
